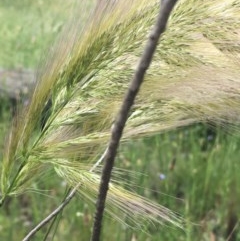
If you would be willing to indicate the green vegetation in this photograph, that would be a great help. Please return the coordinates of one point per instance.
(193, 171)
(28, 28)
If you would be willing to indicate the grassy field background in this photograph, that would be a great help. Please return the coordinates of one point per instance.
(193, 171)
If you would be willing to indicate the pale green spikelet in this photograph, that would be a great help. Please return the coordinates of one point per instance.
(194, 77)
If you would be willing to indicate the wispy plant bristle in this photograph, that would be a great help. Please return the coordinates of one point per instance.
(194, 77)
(138, 210)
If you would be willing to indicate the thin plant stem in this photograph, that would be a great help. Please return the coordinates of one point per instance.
(62, 205)
(159, 28)
(56, 219)
(53, 214)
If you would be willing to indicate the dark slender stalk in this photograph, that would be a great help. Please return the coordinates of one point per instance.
(159, 28)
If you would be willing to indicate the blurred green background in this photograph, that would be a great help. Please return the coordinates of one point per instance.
(194, 171)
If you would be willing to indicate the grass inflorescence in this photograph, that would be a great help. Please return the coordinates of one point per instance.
(194, 77)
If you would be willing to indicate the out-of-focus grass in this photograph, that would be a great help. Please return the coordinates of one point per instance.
(198, 172)
(4, 119)
(28, 28)
(192, 171)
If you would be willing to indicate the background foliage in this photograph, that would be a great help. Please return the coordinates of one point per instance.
(193, 171)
